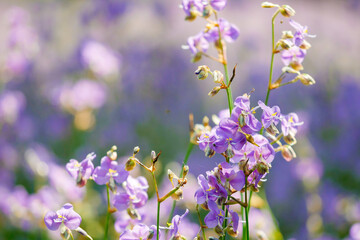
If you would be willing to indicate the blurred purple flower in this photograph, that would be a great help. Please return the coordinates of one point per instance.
(109, 169)
(139, 231)
(174, 227)
(300, 34)
(12, 103)
(189, 6)
(290, 124)
(218, 5)
(197, 43)
(82, 171)
(134, 194)
(229, 32)
(65, 215)
(293, 54)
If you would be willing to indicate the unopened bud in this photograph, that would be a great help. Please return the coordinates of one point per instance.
(261, 235)
(253, 188)
(220, 201)
(153, 155)
(305, 45)
(133, 213)
(296, 66)
(243, 165)
(289, 70)
(288, 153)
(171, 175)
(80, 181)
(193, 14)
(218, 77)
(207, 11)
(185, 171)
(209, 152)
(262, 167)
(287, 11)
(218, 229)
(178, 195)
(205, 206)
(151, 234)
(268, 5)
(306, 79)
(214, 91)
(130, 164)
(284, 43)
(232, 232)
(229, 152)
(136, 149)
(272, 129)
(242, 120)
(205, 121)
(112, 184)
(287, 34)
(65, 232)
(196, 58)
(83, 232)
(290, 139)
(202, 72)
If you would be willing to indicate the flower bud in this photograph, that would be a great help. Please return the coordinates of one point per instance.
(112, 154)
(272, 129)
(261, 235)
(288, 153)
(218, 229)
(153, 155)
(290, 139)
(305, 45)
(133, 213)
(130, 164)
(196, 58)
(65, 232)
(205, 206)
(284, 43)
(136, 149)
(262, 167)
(287, 11)
(242, 120)
(193, 14)
(306, 79)
(232, 232)
(296, 66)
(268, 5)
(207, 11)
(171, 175)
(80, 181)
(151, 234)
(253, 188)
(220, 201)
(289, 70)
(112, 184)
(287, 34)
(209, 152)
(214, 91)
(185, 170)
(202, 72)
(205, 121)
(243, 165)
(218, 77)
(178, 195)
(229, 151)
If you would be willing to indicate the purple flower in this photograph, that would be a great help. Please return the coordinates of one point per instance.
(228, 141)
(65, 215)
(175, 222)
(254, 153)
(215, 216)
(109, 170)
(198, 43)
(234, 220)
(290, 123)
(270, 115)
(82, 171)
(218, 5)
(293, 54)
(135, 194)
(189, 6)
(300, 34)
(139, 231)
(229, 32)
(232, 173)
(205, 192)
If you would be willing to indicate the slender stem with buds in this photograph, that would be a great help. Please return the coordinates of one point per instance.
(158, 207)
(246, 211)
(201, 225)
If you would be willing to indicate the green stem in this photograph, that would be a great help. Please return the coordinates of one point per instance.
(246, 211)
(228, 90)
(108, 213)
(201, 225)
(186, 158)
(71, 235)
(158, 221)
(272, 54)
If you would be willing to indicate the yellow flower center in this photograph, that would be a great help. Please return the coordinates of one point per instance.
(111, 171)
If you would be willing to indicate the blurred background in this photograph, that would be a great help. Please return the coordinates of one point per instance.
(80, 76)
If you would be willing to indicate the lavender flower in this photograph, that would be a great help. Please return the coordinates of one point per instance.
(197, 43)
(300, 34)
(139, 231)
(174, 227)
(205, 192)
(134, 194)
(293, 55)
(270, 115)
(215, 216)
(65, 215)
(231, 173)
(108, 170)
(227, 141)
(290, 124)
(229, 32)
(82, 171)
(218, 5)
